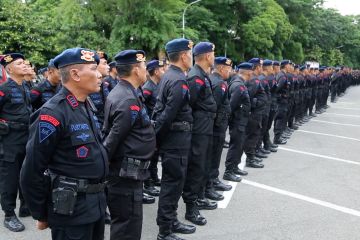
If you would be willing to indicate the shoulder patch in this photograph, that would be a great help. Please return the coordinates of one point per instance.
(223, 87)
(36, 92)
(199, 81)
(147, 92)
(2, 94)
(257, 81)
(72, 100)
(242, 88)
(50, 119)
(134, 112)
(135, 108)
(185, 90)
(45, 130)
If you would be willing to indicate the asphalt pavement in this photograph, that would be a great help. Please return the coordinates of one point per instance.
(309, 189)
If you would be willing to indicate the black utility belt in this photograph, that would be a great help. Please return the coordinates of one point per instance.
(81, 185)
(181, 126)
(65, 191)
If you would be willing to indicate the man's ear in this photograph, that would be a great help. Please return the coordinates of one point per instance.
(74, 74)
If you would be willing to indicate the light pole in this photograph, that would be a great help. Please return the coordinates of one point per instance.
(183, 16)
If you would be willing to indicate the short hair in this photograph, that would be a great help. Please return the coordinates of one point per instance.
(65, 72)
(200, 57)
(125, 70)
(174, 56)
(152, 71)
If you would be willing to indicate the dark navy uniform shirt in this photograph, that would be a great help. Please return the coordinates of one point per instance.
(64, 138)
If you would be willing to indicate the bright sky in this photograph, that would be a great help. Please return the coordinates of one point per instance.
(345, 7)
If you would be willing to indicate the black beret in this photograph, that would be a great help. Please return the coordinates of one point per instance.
(178, 45)
(130, 56)
(203, 47)
(223, 61)
(11, 57)
(75, 56)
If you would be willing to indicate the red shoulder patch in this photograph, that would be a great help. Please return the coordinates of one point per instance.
(223, 87)
(147, 92)
(2, 94)
(199, 81)
(49, 119)
(135, 108)
(257, 81)
(242, 88)
(184, 86)
(36, 92)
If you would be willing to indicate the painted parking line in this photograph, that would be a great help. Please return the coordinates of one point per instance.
(343, 115)
(304, 198)
(320, 156)
(336, 123)
(227, 195)
(345, 108)
(329, 135)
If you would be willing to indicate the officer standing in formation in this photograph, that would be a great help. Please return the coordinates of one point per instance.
(179, 114)
(150, 92)
(130, 143)
(63, 175)
(45, 90)
(173, 124)
(15, 110)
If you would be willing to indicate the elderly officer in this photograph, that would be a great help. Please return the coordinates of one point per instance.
(15, 110)
(130, 142)
(173, 121)
(65, 167)
(45, 90)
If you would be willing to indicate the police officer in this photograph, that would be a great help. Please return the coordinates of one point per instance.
(222, 70)
(45, 90)
(99, 98)
(264, 79)
(130, 142)
(173, 123)
(111, 79)
(335, 78)
(150, 91)
(240, 110)
(270, 72)
(15, 110)
(204, 112)
(65, 167)
(282, 90)
(258, 99)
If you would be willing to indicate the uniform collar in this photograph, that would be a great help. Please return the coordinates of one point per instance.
(70, 98)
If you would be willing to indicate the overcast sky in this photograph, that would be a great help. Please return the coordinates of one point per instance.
(345, 7)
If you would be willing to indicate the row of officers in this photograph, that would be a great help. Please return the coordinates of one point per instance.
(90, 136)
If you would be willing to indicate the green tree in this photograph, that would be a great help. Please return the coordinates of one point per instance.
(147, 27)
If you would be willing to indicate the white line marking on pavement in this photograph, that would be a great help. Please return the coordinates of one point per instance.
(346, 108)
(320, 156)
(345, 115)
(227, 195)
(335, 123)
(330, 135)
(304, 198)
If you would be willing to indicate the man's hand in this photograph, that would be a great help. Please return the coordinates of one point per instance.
(41, 225)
